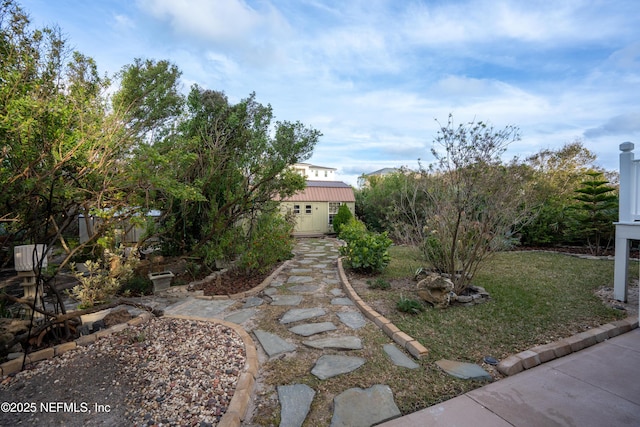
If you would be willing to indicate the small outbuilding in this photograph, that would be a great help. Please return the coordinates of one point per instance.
(316, 205)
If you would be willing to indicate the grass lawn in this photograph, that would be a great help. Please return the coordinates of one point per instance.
(536, 298)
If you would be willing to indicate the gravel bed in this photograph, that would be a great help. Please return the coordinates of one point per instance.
(164, 372)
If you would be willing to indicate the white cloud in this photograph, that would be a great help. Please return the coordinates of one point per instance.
(123, 22)
(476, 22)
(222, 22)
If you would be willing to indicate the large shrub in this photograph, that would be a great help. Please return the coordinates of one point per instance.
(365, 251)
(269, 242)
(468, 203)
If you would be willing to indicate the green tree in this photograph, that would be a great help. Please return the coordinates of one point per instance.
(239, 161)
(556, 176)
(597, 210)
(63, 152)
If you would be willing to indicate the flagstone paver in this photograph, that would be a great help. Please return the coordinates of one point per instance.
(295, 401)
(399, 358)
(338, 343)
(464, 370)
(273, 344)
(341, 301)
(202, 308)
(300, 279)
(298, 314)
(309, 329)
(353, 319)
(362, 408)
(305, 289)
(329, 365)
(253, 302)
(286, 300)
(240, 316)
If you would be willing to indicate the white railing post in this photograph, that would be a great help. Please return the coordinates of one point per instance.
(625, 230)
(626, 208)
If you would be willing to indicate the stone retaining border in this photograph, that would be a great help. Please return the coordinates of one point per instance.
(414, 348)
(544, 353)
(239, 403)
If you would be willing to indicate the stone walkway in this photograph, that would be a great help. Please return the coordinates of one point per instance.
(317, 315)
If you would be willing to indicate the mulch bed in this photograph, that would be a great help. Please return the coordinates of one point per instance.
(232, 282)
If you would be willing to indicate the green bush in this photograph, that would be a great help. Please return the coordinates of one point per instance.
(137, 286)
(408, 305)
(270, 242)
(342, 217)
(365, 251)
(352, 229)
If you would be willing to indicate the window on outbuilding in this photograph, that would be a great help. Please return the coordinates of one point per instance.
(296, 209)
(307, 209)
(333, 210)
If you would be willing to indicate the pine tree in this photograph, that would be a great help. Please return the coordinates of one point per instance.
(597, 210)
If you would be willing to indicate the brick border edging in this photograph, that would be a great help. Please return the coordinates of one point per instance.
(544, 353)
(414, 348)
(237, 410)
(15, 365)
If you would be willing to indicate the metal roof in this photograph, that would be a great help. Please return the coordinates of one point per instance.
(324, 191)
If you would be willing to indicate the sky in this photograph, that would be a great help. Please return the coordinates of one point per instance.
(377, 76)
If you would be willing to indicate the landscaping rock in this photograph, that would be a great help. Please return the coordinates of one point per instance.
(341, 301)
(358, 407)
(399, 358)
(338, 343)
(273, 344)
(297, 314)
(328, 366)
(463, 370)
(295, 401)
(309, 329)
(436, 290)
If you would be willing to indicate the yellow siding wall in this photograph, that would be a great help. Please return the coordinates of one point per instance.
(317, 221)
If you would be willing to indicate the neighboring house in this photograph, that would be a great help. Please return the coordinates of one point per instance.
(315, 173)
(365, 179)
(315, 206)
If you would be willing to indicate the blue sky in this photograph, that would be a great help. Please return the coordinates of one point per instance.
(373, 75)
